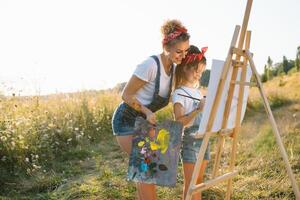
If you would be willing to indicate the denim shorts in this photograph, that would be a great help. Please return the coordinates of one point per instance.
(191, 147)
(123, 120)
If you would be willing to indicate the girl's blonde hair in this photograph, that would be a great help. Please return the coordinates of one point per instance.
(179, 72)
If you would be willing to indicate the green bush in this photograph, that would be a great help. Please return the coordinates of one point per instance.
(275, 100)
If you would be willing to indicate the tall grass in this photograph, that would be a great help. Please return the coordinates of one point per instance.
(61, 147)
(34, 131)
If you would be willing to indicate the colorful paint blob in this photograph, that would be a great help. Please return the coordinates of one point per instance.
(155, 153)
(141, 143)
(162, 141)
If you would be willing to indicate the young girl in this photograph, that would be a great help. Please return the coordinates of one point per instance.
(188, 111)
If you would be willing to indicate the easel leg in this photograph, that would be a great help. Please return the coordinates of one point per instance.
(198, 165)
(238, 115)
(221, 139)
(219, 150)
(232, 162)
(274, 127)
(212, 115)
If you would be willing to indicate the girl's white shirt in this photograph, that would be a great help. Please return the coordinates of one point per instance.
(187, 103)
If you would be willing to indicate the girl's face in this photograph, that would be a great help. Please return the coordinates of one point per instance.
(177, 52)
(193, 75)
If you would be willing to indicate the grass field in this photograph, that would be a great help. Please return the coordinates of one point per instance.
(61, 147)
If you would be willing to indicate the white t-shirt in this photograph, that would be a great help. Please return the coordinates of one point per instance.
(187, 103)
(146, 71)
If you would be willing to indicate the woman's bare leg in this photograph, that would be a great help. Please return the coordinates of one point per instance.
(125, 143)
(188, 169)
(145, 191)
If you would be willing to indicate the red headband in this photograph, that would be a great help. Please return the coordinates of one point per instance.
(195, 56)
(175, 34)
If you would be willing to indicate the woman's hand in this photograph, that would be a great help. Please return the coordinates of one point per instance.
(150, 116)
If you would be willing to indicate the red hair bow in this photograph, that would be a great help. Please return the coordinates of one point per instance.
(195, 56)
(178, 31)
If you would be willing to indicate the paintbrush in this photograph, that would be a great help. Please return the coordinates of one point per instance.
(191, 97)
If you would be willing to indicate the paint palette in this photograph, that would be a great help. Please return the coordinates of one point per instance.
(155, 152)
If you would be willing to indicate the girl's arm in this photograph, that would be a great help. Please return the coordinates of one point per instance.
(128, 96)
(186, 118)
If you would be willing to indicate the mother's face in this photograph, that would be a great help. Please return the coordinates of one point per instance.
(177, 52)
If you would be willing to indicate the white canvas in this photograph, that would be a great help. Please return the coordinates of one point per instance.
(215, 74)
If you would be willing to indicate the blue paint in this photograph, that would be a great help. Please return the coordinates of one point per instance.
(143, 166)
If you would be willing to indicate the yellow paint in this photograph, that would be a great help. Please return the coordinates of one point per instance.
(162, 141)
(154, 146)
(141, 143)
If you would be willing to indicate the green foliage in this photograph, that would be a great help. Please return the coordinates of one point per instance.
(264, 78)
(297, 64)
(205, 78)
(34, 133)
(281, 68)
(276, 100)
(292, 71)
(165, 113)
(297, 60)
(285, 65)
(265, 142)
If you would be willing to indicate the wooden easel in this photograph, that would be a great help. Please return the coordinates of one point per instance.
(237, 57)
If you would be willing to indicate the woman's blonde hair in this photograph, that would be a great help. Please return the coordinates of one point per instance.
(171, 26)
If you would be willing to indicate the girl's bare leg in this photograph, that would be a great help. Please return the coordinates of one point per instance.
(188, 169)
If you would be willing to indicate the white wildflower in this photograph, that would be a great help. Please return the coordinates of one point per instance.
(3, 158)
(3, 138)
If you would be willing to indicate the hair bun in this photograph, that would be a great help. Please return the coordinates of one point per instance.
(170, 26)
(193, 49)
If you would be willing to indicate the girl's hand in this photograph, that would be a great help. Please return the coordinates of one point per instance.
(201, 105)
(151, 117)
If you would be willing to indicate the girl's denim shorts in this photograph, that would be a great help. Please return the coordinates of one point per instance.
(191, 147)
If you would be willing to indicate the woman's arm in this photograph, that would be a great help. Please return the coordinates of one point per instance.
(128, 96)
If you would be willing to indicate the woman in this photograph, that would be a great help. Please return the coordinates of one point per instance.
(149, 89)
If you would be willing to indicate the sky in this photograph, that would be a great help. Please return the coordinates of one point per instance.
(73, 45)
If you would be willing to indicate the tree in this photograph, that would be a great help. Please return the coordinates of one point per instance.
(297, 60)
(264, 76)
(279, 69)
(285, 65)
(270, 68)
